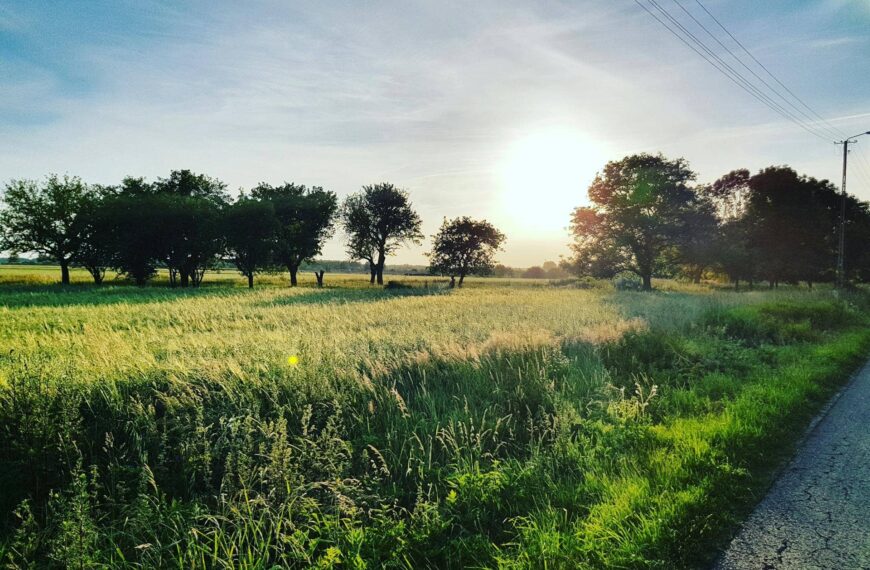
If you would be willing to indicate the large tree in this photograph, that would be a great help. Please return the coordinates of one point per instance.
(190, 224)
(46, 218)
(133, 215)
(306, 217)
(465, 246)
(96, 253)
(791, 222)
(250, 231)
(639, 214)
(698, 243)
(378, 220)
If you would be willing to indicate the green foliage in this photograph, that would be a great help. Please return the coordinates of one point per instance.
(304, 217)
(250, 228)
(46, 218)
(378, 220)
(642, 205)
(464, 246)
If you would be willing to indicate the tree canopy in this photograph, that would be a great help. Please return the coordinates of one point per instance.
(378, 220)
(250, 230)
(464, 246)
(46, 218)
(305, 216)
(640, 207)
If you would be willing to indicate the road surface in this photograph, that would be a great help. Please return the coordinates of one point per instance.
(817, 514)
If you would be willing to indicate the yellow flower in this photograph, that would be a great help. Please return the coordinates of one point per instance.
(293, 360)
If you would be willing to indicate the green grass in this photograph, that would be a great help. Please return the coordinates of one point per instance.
(508, 424)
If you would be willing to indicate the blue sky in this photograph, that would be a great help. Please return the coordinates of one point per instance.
(495, 109)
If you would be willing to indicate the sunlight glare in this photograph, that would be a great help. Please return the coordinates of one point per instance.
(545, 175)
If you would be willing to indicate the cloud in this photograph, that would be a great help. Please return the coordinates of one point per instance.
(825, 43)
(429, 95)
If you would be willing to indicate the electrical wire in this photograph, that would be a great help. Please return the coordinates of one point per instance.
(770, 73)
(828, 131)
(717, 63)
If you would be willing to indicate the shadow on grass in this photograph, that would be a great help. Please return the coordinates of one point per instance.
(340, 296)
(32, 296)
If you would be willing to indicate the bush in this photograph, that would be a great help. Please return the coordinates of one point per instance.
(627, 281)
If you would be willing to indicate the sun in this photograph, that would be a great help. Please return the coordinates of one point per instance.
(544, 176)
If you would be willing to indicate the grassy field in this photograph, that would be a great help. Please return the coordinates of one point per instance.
(511, 424)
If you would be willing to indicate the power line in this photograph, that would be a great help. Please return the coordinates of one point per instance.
(811, 121)
(767, 100)
(770, 73)
(720, 65)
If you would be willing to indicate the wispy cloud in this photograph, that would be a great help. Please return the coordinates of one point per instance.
(429, 95)
(825, 43)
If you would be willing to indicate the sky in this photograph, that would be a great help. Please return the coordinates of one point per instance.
(498, 109)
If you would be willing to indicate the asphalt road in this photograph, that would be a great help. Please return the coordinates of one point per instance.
(817, 514)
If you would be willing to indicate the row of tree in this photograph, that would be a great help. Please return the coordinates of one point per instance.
(647, 217)
(187, 223)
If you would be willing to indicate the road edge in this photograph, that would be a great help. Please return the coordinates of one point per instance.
(799, 444)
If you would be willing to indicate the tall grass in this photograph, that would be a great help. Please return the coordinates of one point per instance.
(511, 426)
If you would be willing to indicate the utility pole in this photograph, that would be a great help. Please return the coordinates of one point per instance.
(841, 250)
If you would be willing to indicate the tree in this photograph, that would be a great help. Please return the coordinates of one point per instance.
(732, 251)
(132, 215)
(535, 272)
(45, 218)
(501, 270)
(306, 216)
(250, 230)
(190, 214)
(464, 246)
(378, 220)
(791, 222)
(553, 270)
(857, 254)
(640, 205)
(96, 251)
(697, 244)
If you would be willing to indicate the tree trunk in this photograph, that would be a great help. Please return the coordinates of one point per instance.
(452, 282)
(461, 279)
(319, 277)
(647, 282)
(374, 273)
(185, 277)
(293, 270)
(250, 280)
(97, 273)
(64, 272)
(381, 261)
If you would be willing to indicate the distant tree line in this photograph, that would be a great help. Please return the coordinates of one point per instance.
(647, 217)
(187, 223)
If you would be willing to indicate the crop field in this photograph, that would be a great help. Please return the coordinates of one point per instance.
(507, 424)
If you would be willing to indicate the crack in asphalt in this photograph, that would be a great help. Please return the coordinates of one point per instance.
(817, 514)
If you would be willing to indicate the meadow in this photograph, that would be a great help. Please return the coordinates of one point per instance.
(507, 424)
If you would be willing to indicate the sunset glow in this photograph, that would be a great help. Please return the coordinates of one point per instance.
(544, 175)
